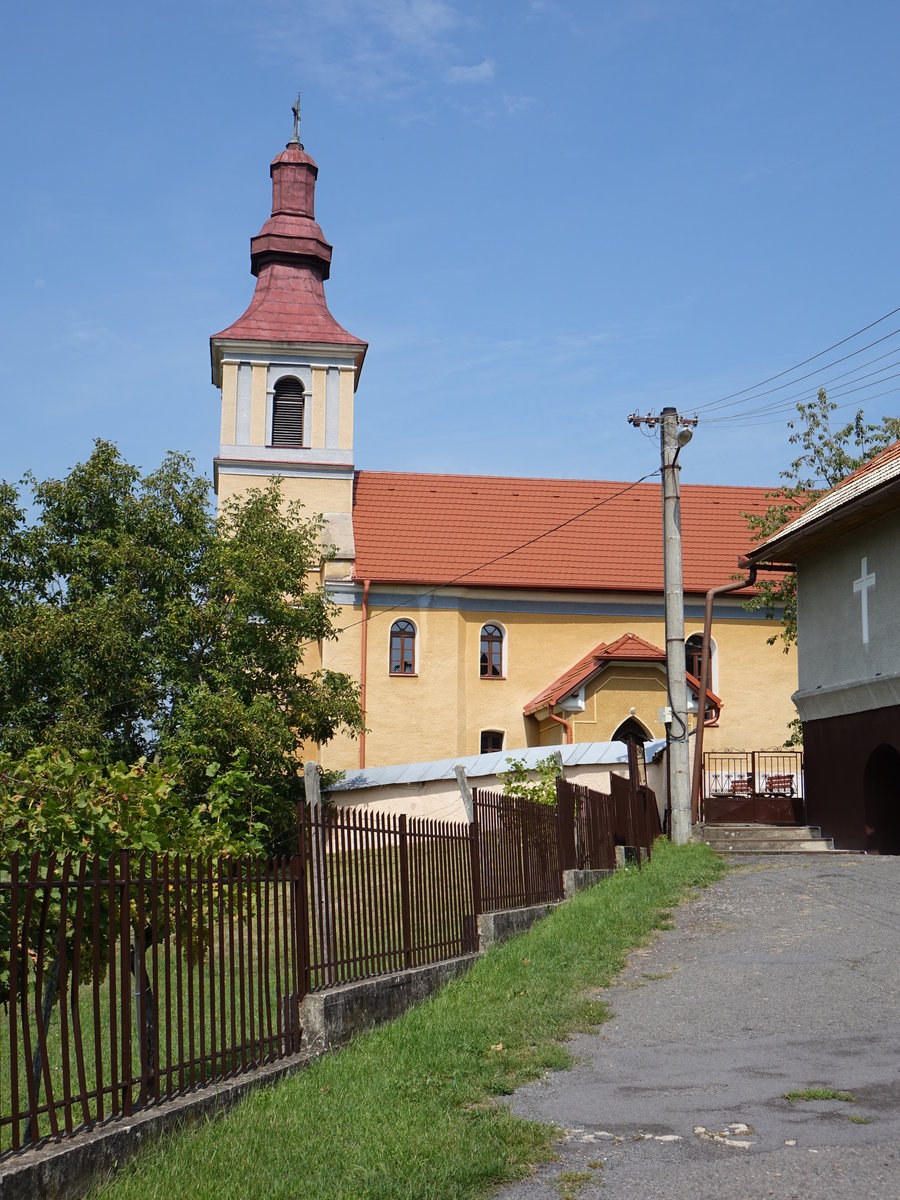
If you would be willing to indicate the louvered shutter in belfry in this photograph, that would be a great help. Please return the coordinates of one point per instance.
(287, 413)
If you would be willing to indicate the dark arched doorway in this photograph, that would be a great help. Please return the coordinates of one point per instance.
(630, 730)
(881, 792)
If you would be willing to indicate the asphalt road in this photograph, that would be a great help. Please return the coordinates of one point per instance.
(783, 976)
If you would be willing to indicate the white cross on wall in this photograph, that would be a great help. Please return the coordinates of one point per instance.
(866, 580)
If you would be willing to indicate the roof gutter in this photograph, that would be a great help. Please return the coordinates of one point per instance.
(567, 725)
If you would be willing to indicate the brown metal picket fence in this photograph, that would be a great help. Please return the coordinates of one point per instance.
(518, 850)
(591, 815)
(636, 815)
(127, 981)
(386, 892)
(130, 980)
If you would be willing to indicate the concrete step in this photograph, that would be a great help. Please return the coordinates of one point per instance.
(781, 833)
(764, 839)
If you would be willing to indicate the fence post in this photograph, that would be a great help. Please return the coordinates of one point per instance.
(321, 907)
(475, 876)
(753, 782)
(125, 977)
(527, 834)
(302, 900)
(565, 823)
(465, 791)
(405, 913)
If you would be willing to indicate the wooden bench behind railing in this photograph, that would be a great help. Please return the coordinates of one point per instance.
(741, 787)
(783, 785)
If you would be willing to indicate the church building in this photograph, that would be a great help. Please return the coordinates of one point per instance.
(478, 613)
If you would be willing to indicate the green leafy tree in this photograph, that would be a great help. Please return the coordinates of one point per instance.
(61, 806)
(826, 455)
(134, 623)
(532, 783)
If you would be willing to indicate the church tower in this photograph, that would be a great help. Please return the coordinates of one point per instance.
(287, 370)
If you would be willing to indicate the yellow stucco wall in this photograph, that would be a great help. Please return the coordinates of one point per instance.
(610, 699)
(317, 495)
(229, 403)
(345, 416)
(258, 377)
(441, 711)
(755, 681)
(317, 404)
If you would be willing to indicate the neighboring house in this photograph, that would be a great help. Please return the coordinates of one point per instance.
(463, 598)
(846, 547)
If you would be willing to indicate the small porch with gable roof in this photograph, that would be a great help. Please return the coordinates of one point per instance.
(616, 690)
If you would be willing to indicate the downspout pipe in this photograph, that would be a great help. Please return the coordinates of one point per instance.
(364, 642)
(567, 725)
(711, 597)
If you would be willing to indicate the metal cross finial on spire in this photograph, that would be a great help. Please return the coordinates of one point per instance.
(295, 108)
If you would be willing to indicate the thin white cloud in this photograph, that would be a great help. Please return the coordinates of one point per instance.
(421, 24)
(82, 334)
(479, 73)
(361, 48)
(513, 105)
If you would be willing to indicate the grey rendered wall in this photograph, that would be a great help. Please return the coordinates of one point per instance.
(831, 648)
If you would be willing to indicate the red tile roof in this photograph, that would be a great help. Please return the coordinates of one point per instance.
(556, 534)
(628, 648)
(837, 510)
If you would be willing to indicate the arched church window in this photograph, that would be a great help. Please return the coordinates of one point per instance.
(491, 659)
(693, 654)
(403, 648)
(288, 404)
(693, 658)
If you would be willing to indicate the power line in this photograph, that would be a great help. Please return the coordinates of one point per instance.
(787, 403)
(748, 421)
(826, 366)
(805, 362)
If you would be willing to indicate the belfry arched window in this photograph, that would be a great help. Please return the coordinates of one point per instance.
(288, 405)
(403, 648)
(491, 657)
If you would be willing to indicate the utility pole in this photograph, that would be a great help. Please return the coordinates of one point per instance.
(675, 432)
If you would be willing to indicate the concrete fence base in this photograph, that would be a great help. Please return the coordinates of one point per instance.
(331, 1017)
(64, 1170)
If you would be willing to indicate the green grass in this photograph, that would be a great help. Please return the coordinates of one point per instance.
(406, 1111)
(569, 1183)
(820, 1093)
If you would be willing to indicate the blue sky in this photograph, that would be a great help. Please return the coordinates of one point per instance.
(545, 215)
